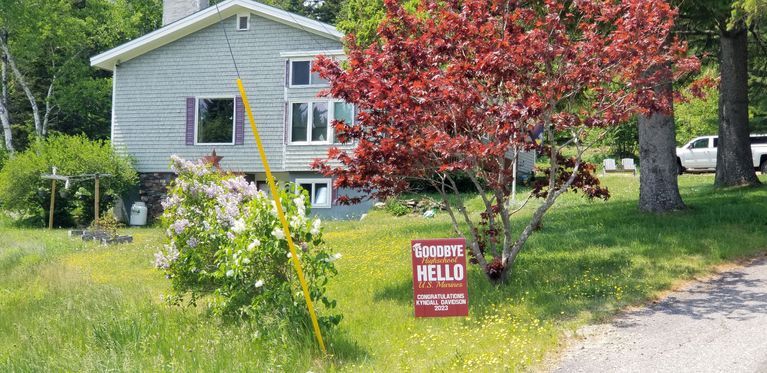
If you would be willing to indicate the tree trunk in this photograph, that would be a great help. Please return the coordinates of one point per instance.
(658, 187)
(734, 165)
(5, 116)
(24, 87)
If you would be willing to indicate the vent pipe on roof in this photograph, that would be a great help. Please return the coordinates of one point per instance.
(174, 10)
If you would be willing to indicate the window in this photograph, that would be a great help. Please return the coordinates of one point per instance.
(243, 22)
(759, 139)
(342, 111)
(319, 191)
(302, 114)
(716, 142)
(301, 74)
(699, 144)
(215, 121)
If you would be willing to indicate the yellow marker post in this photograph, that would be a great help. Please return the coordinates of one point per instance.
(281, 215)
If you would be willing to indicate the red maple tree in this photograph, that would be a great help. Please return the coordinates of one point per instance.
(457, 88)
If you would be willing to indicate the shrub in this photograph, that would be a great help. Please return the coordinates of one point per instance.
(226, 241)
(23, 190)
(395, 207)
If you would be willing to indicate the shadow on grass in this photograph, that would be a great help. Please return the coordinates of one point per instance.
(598, 257)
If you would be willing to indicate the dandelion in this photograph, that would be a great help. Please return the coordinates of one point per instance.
(259, 283)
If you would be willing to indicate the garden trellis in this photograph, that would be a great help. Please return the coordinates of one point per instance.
(68, 181)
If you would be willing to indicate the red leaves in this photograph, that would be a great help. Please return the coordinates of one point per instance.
(456, 85)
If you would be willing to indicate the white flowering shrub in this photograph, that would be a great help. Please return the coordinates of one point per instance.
(226, 243)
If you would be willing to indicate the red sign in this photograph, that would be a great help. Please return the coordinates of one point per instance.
(439, 277)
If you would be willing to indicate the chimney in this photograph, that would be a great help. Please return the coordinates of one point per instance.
(173, 10)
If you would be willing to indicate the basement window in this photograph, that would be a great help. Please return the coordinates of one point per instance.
(243, 22)
(318, 190)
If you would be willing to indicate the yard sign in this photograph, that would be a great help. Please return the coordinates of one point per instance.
(439, 277)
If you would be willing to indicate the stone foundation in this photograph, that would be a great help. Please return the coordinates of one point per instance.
(153, 188)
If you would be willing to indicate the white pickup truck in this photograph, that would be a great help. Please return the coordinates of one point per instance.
(700, 154)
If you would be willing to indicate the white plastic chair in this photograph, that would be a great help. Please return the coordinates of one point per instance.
(609, 165)
(628, 165)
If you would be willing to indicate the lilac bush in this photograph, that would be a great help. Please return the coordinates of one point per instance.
(226, 244)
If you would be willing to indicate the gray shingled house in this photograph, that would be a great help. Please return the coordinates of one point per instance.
(174, 92)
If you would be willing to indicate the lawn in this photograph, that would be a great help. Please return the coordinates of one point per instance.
(67, 305)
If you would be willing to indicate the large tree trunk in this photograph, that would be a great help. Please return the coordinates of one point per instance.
(734, 165)
(658, 188)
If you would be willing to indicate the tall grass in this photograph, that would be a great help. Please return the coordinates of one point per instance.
(67, 305)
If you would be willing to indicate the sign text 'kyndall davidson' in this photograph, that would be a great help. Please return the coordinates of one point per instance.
(439, 277)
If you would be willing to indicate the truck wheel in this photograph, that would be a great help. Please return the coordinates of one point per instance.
(763, 167)
(680, 169)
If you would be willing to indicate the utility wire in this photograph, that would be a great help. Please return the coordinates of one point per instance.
(226, 36)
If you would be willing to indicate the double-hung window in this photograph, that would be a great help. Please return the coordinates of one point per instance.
(319, 191)
(214, 121)
(301, 74)
(310, 122)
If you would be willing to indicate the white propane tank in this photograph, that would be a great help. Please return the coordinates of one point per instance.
(138, 214)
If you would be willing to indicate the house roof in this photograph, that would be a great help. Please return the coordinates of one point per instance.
(205, 18)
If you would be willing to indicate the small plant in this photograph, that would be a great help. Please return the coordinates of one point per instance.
(106, 223)
(396, 207)
(226, 243)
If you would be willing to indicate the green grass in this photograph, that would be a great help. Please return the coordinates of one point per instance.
(66, 305)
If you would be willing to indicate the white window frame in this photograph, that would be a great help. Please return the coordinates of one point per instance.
(311, 62)
(237, 22)
(313, 182)
(309, 120)
(310, 117)
(197, 119)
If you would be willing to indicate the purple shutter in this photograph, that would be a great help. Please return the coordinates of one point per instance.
(190, 111)
(239, 121)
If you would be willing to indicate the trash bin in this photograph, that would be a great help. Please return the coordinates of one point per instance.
(138, 214)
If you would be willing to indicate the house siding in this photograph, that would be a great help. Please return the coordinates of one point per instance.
(149, 119)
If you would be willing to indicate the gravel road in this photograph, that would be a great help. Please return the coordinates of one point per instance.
(718, 325)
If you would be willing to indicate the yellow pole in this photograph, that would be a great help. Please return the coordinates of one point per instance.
(53, 203)
(281, 215)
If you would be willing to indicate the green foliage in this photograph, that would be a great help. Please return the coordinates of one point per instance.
(106, 223)
(362, 18)
(3, 156)
(226, 242)
(395, 207)
(22, 189)
(697, 116)
(55, 39)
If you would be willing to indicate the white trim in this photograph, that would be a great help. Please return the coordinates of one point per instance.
(237, 22)
(114, 99)
(310, 85)
(313, 182)
(204, 18)
(312, 54)
(197, 119)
